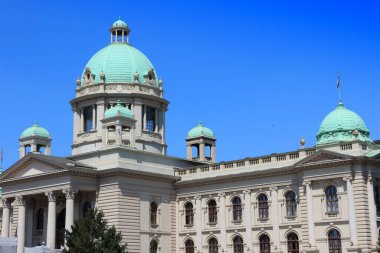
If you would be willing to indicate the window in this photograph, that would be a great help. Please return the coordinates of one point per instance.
(334, 241)
(238, 245)
(212, 245)
(153, 213)
(150, 119)
(331, 199)
(264, 244)
(236, 209)
(88, 118)
(189, 246)
(189, 214)
(212, 212)
(153, 246)
(293, 244)
(86, 207)
(291, 204)
(263, 206)
(40, 219)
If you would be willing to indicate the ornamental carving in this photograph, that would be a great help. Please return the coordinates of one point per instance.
(20, 201)
(52, 197)
(70, 193)
(6, 203)
(111, 87)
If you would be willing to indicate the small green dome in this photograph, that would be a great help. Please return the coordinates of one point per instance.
(118, 110)
(200, 131)
(119, 62)
(340, 125)
(35, 130)
(119, 23)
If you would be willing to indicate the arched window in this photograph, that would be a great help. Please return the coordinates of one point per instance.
(40, 219)
(189, 214)
(153, 246)
(332, 199)
(263, 206)
(153, 213)
(212, 212)
(212, 245)
(236, 209)
(293, 244)
(238, 245)
(291, 204)
(189, 246)
(264, 244)
(86, 206)
(335, 245)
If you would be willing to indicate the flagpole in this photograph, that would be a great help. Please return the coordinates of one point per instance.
(338, 86)
(1, 160)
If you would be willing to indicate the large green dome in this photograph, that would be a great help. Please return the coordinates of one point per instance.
(119, 62)
(35, 130)
(200, 131)
(342, 125)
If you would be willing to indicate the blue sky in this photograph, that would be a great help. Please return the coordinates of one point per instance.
(261, 74)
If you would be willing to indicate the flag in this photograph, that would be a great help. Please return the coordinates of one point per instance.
(338, 82)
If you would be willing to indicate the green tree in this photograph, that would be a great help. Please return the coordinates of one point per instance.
(92, 234)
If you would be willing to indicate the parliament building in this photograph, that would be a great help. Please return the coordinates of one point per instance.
(324, 198)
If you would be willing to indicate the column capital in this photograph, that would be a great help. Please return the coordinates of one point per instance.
(370, 179)
(306, 183)
(348, 179)
(222, 194)
(52, 197)
(273, 188)
(6, 203)
(247, 191)
(198, 197)
(70, 193)
(20, 201)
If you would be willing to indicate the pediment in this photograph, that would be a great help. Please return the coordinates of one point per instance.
(322, 157)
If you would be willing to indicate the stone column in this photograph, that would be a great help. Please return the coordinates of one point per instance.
(76, 122)
(33, 147)
(118, 132)
(51, 224)
(198, 222)
(22, 151)
(99, 116)
(137, 110)
(69, 207)
(156, 120)
(222, 221)
(372, 211)
(188, 152)
(202, 156)
(144, 117)
(310, 217)
(20, 202)
(94, 117)
(6, 216)
(81, 121)
(351, 211)
(274, 217)
(213, 153)
(248, 218)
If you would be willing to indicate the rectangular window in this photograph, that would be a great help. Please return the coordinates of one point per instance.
(88, 118)
(150, 119)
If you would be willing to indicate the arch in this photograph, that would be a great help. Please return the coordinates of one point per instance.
(212, 245)
(264, 243)
(189, 246)
(332, 202)
(40, 219)
(238, 244)
(237, 213)
(189, 214)
(86, 207)
(212, 211)
(292, 242)
(291, 203)
(334, 241)
(263, 206)
(153, 247)
(153, 213)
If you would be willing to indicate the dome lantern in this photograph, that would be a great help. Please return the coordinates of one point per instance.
(35, 139)
(201, 144)
(119, 32)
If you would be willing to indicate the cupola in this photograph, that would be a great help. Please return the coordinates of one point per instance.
(342, 125)
(119, 32)
(201, 144)
(35, 139)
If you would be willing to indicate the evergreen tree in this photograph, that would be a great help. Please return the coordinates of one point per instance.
(92, 234)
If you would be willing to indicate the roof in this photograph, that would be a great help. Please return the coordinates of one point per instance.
(200, 131)
(118, 110)
(119, 62)
(119, 23)
(342, 125)
(35, 130)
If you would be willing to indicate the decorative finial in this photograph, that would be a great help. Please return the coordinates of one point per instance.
(355, 133)
(78, 81)
(35, 123)
(118, 103)
(119, 18)
(302, 142)
(200, 123)
(102, 75)
(160, 82)
(136, 77)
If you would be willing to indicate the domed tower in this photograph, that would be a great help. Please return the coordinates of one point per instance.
(342, 125)
(119, 72)
(201, 144)
(35, 139)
